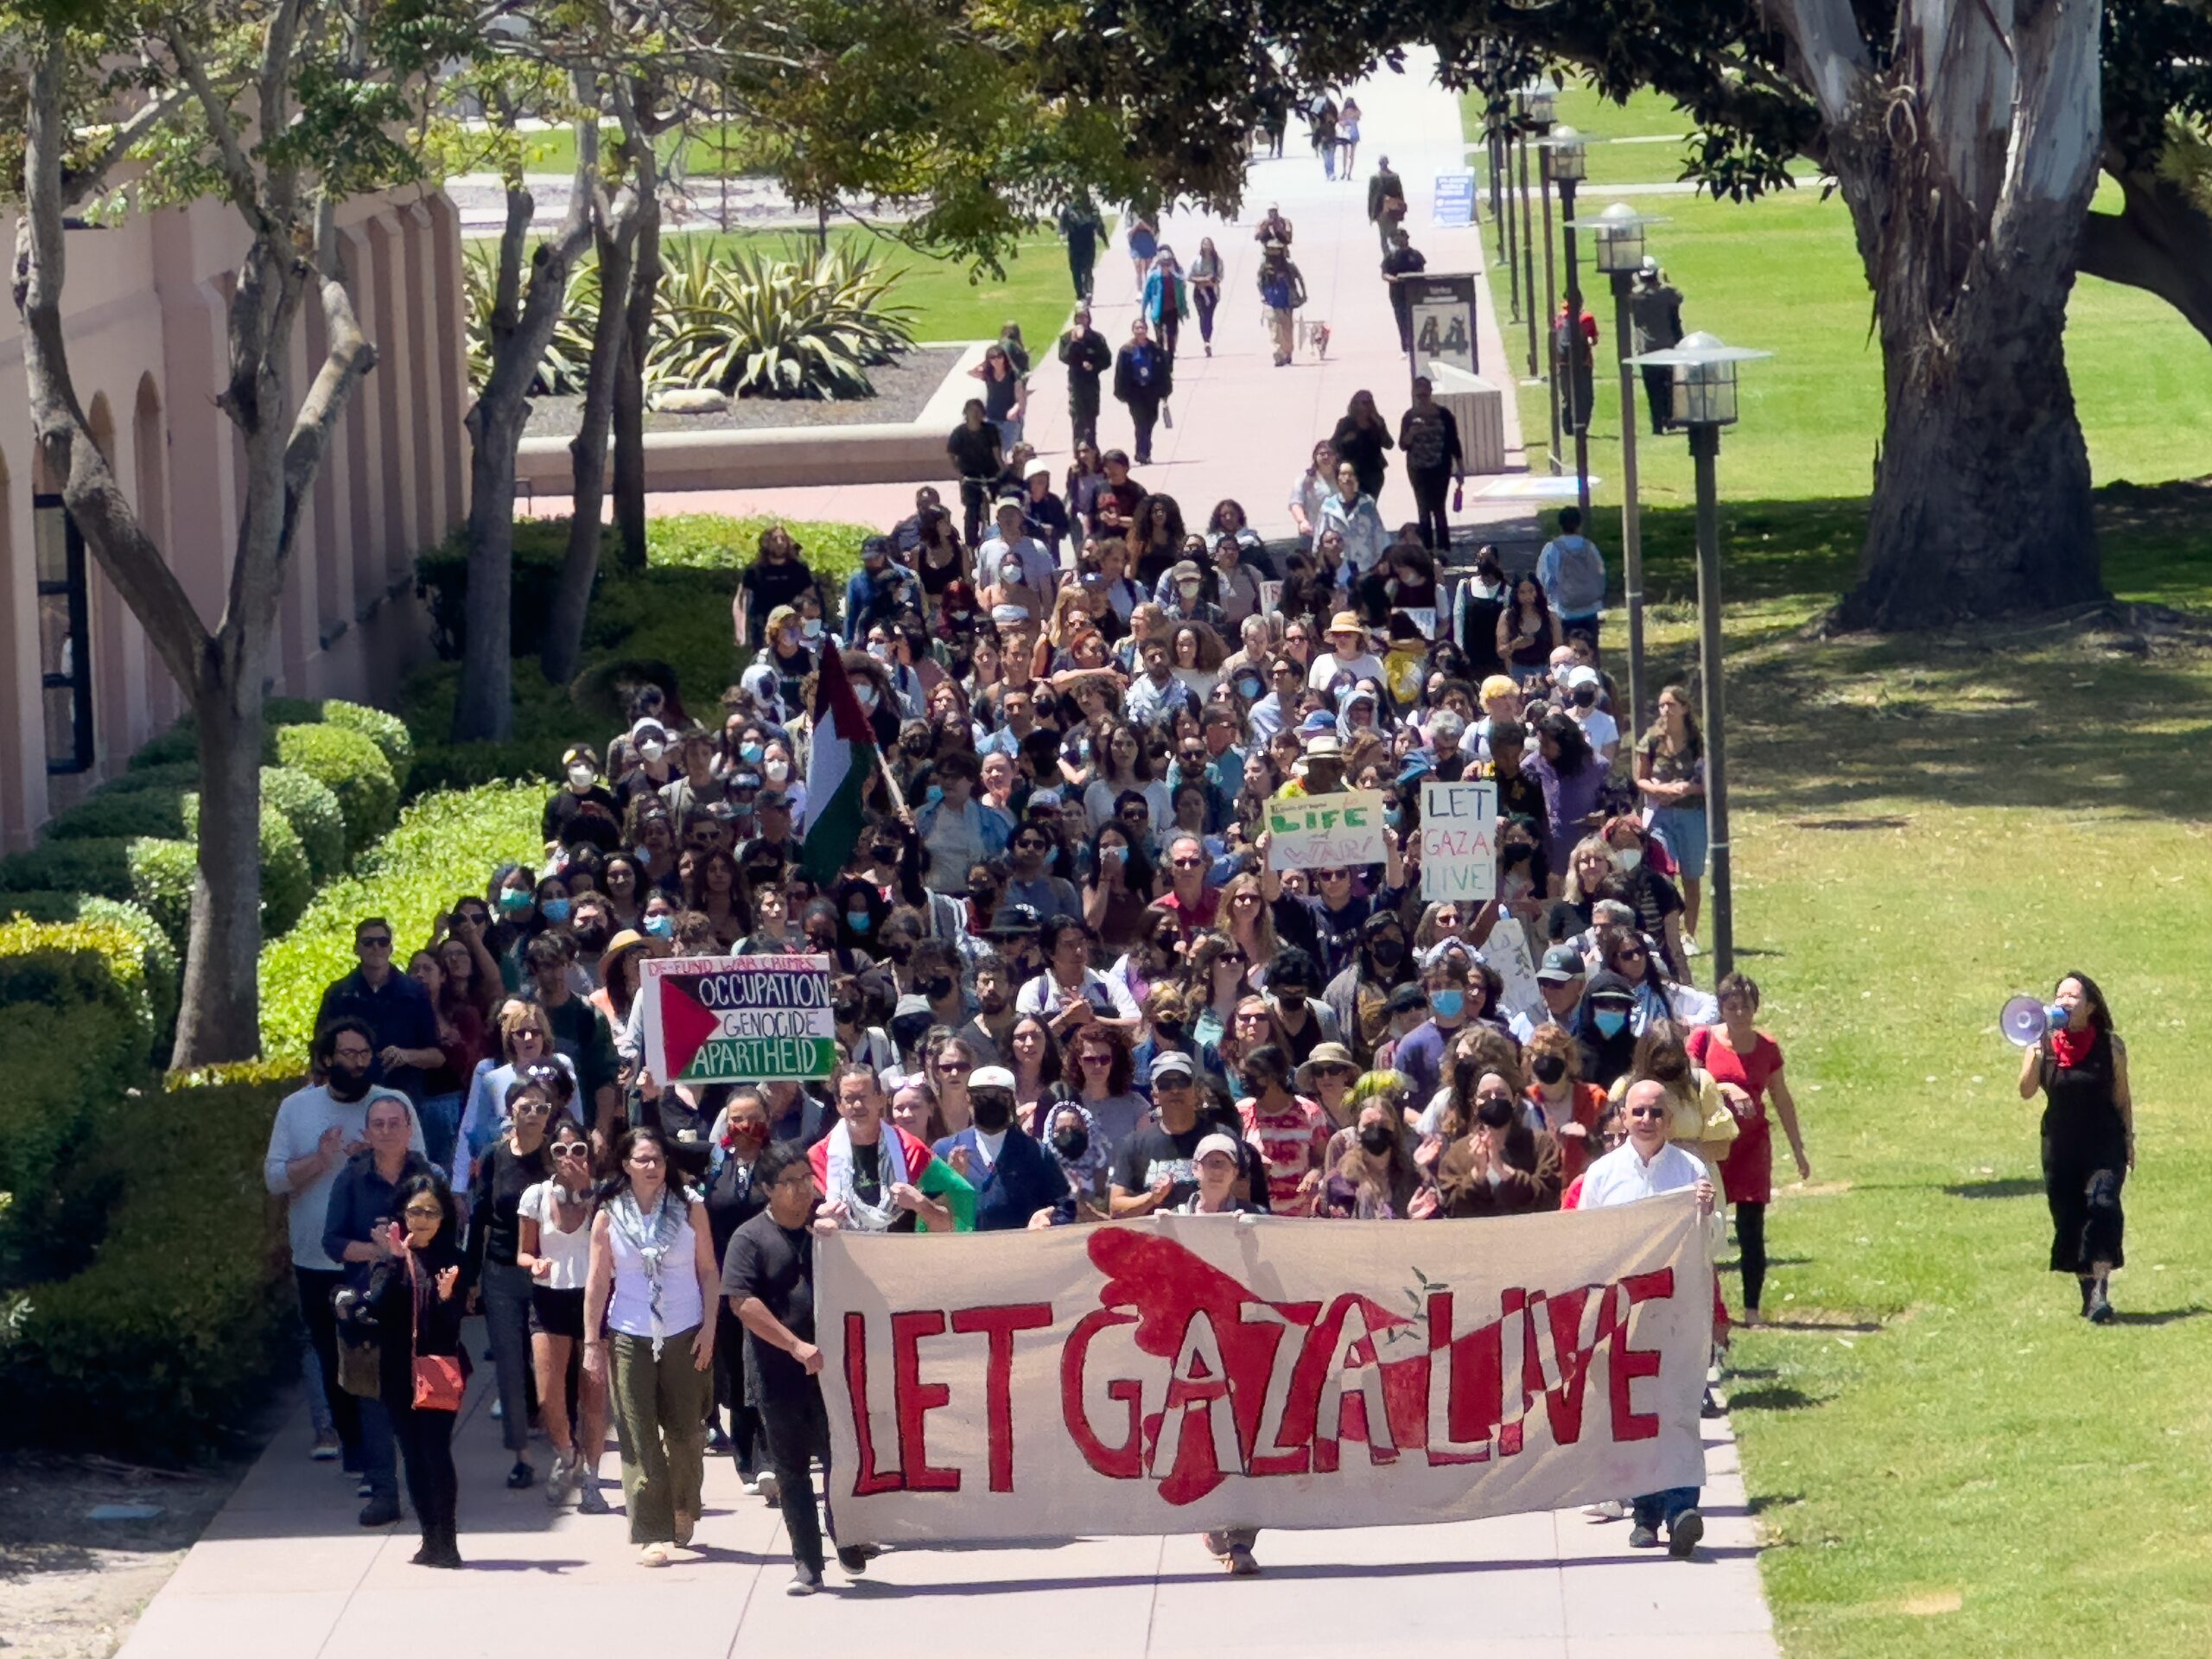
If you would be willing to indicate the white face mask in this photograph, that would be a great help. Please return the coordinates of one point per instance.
(777, 771)
(866, 695)
(652, 751)
(810, 628)
(581, 776)
(1628, 857)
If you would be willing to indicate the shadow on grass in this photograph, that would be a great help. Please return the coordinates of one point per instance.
(2013, 1187)
(2171, 1316)
(2019, 714)
(1779, 1397)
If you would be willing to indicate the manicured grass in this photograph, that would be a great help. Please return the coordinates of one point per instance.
(709, 151)
(1944, 1457)
(953, 299)
(1657, 134)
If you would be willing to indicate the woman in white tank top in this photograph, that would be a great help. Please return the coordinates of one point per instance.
(652, 1274)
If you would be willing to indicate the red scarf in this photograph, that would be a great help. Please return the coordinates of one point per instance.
(2070, 1047)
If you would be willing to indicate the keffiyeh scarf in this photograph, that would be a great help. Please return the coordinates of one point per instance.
(653, 1236)
(891, 1169)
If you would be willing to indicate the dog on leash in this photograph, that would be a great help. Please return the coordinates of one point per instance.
(1317, 336)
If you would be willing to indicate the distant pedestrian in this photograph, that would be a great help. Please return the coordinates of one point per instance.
(1572, 572)
(1085, 355)
(1143, 245)
(1429, 436)
(1571, 359)
(1386, 201)
(1400, 261)
(1347, 138)
(1361, 437)
(978, 454)
(1655, 309)
(1282, 291)
(1206, 288)
(1006, 397)
(1081, 227)
(1321, 114)
(1166, 301)
(1274, 228)
(1144, 378)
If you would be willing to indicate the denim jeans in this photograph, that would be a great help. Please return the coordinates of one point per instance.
(506, 1320)
(1653, 1508)
(440, 1128)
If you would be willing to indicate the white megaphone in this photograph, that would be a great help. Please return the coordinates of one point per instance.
(2025, 1020)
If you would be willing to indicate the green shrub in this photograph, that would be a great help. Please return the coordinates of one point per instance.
(287, 883)
(464, 765)
(441, 583)
(105, 816)
(179, 744)
(806, 323)
(310, 806)
(78, 1030)
(101, 866)
(167, 774)
(162, 962)
(388, 732)
(172, 1335)
(163, 873)
(447, 844)
(353, 769)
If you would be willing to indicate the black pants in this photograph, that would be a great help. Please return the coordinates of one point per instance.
(426, 1448)
(1145, 412)
(799, 1432)
(1751, 1251)
(2083, 1176)
(315, 1286)
(1403, 311)
(747, 1444)
(1431, 488)
(1205, 299)
(1171, 330)
(1083, 412)
(1081, 259)
(975, 506)
(1659, 395)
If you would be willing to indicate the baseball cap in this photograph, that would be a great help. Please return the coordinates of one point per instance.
(1561, 963)
(991, 1077)
(1583, 674)
(1007, 615)
(1172, 1062)
(1320, 723)
(1208, 1145)
(876, 547)
(1017, 921)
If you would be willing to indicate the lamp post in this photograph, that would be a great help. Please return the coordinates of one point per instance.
(1500, 133)
(1532, 109)
(1565, 162)
(1704, 400)
(1619, 255)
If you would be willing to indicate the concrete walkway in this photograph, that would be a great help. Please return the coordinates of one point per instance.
(285, 1573)
(1243, 428)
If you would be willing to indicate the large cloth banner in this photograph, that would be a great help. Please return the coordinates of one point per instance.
(1186, 1373)
(738, 1019)
(1308, 832)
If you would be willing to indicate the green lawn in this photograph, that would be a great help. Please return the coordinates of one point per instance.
(1944, 1458)
(709, 151)
(1642, 142)
(955, 301)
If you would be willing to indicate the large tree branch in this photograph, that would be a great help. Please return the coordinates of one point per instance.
(89, 487)
(1832, 53)
(229, 147)
(2160, 241)
(89, 178)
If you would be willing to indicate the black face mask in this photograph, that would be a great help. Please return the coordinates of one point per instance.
(1291, 995)
(1517, 854)
(849, 1013)
(592, 936)
(1070, 1144)
(899, 951)
(992, 1114)
(1170, 1031)
(1549, 1068)
(1585, 696)
(1387, 953)
(986, 899)
(1375, 1138)
(347, 1082)
(937, 989)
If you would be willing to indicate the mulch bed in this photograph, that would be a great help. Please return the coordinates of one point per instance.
(902, 388)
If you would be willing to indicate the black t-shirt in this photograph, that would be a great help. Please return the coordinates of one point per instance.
(867, 1184)
(767, 585)
(501, 1179)
(1153, 1155)
(1304, 1042)
(791, 674)
(561, 809)
(776, 1265)
(975, 453)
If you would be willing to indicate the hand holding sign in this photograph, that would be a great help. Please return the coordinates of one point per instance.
(1459, 827)
(1323, 831)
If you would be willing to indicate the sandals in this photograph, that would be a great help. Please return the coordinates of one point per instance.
(655, 1554)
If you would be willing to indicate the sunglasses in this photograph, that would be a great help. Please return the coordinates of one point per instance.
(1190, 863)
(383, 944)
(571, 1149)
(1336, 876)
(1029, 845)
(954, 1068)
(1646, 1111)
(1630, 953)
(425, 1212)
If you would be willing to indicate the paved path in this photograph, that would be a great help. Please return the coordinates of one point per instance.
(284, 1572)
(1243, 428)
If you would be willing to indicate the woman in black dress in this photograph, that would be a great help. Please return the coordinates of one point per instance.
(2089, 1138)
(415, 1295)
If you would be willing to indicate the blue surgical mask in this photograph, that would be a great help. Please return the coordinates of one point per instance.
(1248, 690)
(660, 926)
(932, 795)
(811, 628)
(514, 901)
(1395, 817)
(555, 910)
(1447, 1005)
(642, 855)
(752, 752)
(1609, 1021)
(858, 920)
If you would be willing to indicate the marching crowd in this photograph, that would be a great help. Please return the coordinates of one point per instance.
(1073, 984)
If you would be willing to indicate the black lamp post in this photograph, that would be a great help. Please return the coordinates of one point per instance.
(1565, 162)
(1703, 401)
(1532, 108)
(1619, 255)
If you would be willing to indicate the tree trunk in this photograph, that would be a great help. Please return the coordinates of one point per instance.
(2160, 241)
(1967, 151)
(629, 390)
(564, 625)
(520, 329)
(219, 1016)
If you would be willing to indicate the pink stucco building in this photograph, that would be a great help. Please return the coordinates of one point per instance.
(144, 308)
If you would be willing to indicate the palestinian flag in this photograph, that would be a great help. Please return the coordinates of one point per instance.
(837, 772)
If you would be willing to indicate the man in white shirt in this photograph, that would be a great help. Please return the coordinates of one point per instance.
(1068, 983)
(1038, 571)
(1348, 660)
(1644, 1168)
(1584, 688)
(317, 1129)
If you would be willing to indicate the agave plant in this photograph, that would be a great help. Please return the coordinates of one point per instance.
(801, 323)
(562, 371)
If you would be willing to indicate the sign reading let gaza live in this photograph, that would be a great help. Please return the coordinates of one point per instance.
(738, 1019)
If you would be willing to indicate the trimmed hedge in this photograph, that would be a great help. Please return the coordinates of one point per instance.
(354, 769)
(102, 817)
(163, 873)
(162, 962)
(170, 1338)
(101, 866)
(388, 732)
(311, 807)
(446, 845)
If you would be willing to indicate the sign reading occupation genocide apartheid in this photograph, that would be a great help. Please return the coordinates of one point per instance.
(738, 1019)
(1319, 832)
(1459, 843)
(1188, 1372)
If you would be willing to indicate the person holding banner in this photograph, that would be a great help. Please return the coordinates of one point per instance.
(1017, 1183)
(874, 1177)
(1645, 1167)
